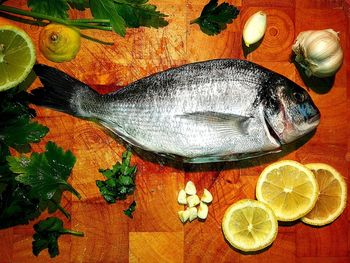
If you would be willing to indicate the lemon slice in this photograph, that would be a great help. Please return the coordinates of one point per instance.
(289, 188)
(249, 225)
(17, 56)
(332, 196)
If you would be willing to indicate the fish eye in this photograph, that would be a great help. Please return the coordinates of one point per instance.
(299, 97)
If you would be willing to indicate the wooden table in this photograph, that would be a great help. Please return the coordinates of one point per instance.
(155, 234)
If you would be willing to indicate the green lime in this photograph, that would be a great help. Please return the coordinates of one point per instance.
(17, 56)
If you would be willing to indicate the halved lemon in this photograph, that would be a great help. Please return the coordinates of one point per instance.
(332, 196)
(289, 188)
(249, 225)
(17, 56)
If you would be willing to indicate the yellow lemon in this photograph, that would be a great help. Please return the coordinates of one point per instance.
(249, 225)
(289, 188)
(332, 196)
(59, 43)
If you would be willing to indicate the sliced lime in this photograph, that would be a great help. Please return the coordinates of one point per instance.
(17, 56)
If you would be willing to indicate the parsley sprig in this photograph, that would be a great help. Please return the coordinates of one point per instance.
(28, 185)
(120, 180)
(47, 233)
(46, 174)
(214, 18)
(110, 15)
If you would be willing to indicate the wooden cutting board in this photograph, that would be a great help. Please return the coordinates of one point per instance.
(155, 234)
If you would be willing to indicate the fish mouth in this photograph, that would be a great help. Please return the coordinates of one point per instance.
(314, 120)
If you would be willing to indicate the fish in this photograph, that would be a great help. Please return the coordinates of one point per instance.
(202, 112)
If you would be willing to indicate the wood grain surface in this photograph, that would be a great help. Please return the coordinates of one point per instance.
(155, 234)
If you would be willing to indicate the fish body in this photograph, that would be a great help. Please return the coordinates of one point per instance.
(203, 112)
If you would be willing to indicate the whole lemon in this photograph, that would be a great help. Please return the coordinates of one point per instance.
(59, 43)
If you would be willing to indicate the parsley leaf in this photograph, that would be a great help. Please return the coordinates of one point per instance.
(136, 14)
(16, 128)
(78, 4)
(214, 18)
(108, 10)
(16, 205)
(127, 13)
(130, 209)
(47, 233)
(56, 8)
(46, 173)
(120, 180)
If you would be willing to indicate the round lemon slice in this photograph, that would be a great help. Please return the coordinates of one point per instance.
(249, 225)
(17, 56)
(289, 188)
(332, 196)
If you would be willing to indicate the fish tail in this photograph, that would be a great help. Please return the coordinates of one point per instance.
(61, 92)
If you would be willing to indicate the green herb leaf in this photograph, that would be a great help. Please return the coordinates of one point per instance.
(47, 233)
(136, 14)
(108, 10)
(46, 173)
(130, 209)
(56, 8)
(127, 13)
(214, 18)
(17, 206)
(120, 180)
(16, 128)
(78, 4)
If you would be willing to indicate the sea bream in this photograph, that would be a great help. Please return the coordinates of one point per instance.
(217, 110)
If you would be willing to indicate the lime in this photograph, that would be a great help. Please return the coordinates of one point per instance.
(17, 56)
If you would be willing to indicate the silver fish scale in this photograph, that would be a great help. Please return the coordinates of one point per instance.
(170, 112)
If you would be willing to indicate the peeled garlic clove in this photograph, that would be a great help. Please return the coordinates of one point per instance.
(202, 211)
(193, 200)
(193, 213)
(207, 197)
(190, 188)
(184, 215)
(181, 198)
(254, 29)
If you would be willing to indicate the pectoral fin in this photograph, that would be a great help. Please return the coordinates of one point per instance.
(222, 122)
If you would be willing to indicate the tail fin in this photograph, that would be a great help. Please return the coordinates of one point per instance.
(60, 92)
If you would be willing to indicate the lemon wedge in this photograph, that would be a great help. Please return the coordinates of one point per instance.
(249, 225)
(289, 188)
(332, 196)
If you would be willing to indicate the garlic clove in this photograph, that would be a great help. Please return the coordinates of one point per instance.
(207, 197)
(181, 198)
(184, 215)
(203, 211)
(193, 213)
(190, 188)
(254, 29)
(193, 200)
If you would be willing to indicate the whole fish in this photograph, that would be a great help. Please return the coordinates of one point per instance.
(217, 110)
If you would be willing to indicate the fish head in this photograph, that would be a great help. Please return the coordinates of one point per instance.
(291, 112)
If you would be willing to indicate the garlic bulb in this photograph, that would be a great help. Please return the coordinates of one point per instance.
(319, 52)
(254, 29)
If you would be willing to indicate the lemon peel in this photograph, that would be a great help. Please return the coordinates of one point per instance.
(59, 43)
